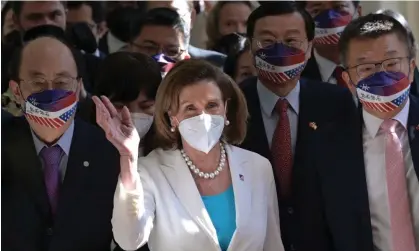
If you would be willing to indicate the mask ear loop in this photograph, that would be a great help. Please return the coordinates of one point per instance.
(227, 122)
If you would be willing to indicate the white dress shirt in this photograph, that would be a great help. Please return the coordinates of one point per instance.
(166, 208)
(374, 157)
(270, 116)
(326, 68)
(114, 44)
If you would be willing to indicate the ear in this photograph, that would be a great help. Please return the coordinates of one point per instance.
(347, 78)
(193, 17)
(16, 22)
(412, 68)
(80, 91)
(308, 52)
(14, 87)
(359, 10)
(101, 29)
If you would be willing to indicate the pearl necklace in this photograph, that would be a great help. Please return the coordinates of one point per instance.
(201, 174)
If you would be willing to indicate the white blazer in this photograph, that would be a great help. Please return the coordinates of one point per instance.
(166, 208)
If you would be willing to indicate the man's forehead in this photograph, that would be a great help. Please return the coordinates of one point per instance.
(41, 7)
(293, 23)
(388, 45)
(45, 46)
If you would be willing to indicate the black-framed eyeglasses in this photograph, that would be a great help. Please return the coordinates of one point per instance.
(173, 52)
(38, 84)
(266, 43)
(388, 65)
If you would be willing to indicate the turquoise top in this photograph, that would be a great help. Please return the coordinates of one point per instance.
(222, 210)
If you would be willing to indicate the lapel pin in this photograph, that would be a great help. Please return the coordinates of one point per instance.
(86, 163)
(313, 125)
(241, 177)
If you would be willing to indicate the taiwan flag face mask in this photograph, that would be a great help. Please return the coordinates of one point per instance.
(51, 108)
(329, 26)
(279, 63)
(383, 91)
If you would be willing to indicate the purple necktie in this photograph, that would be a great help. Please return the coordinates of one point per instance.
(52, 157)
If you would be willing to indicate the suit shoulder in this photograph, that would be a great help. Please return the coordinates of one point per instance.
(93, 134)
(324, 89)
(254, 157)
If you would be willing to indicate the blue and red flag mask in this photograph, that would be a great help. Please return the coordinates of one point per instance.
(51, 108)
(166, 63)
(330, 25)
(383, 91)
(279, 63)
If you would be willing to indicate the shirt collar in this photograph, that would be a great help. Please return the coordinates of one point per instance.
(373, 124)
(114, 44)
(268, 99)
(64, 142)
(326, 67)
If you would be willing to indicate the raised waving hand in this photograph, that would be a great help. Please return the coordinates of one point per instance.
(118, 126)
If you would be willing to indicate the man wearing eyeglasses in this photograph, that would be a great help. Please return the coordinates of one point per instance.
(379, 60)
(58, 173)
(330, 18)
(292, 121)
(90, 12)
(161, 34)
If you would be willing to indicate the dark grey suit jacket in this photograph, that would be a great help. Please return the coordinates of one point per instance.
(214, 57)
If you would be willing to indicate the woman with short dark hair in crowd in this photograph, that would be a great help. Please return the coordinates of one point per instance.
(239, 63)
(196, 190)
(131, 80)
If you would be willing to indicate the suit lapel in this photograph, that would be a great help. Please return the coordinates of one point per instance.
(28, 166)
(77, 173)
(413, 131)
(256, 140)
(241, 180)
(180, 179)
(241, 184)
(312, 71)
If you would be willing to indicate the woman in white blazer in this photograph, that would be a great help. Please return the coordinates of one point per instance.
(196, 191)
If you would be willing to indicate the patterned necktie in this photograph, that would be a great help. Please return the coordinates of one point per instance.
(337, 74)
(400, 215)
(52, 157)
(282, 149)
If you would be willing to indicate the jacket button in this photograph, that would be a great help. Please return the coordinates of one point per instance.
(290, 210)
(49, 231)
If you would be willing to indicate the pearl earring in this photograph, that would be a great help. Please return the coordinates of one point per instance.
(227, 122)
(172, 129)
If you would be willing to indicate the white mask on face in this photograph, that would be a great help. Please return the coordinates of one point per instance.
(202, 132)
(142, 122)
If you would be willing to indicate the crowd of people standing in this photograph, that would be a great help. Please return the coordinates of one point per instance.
(293, 127)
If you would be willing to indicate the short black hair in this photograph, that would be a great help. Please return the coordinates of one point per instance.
(6, 7)
(303, 4)
(98, 9)
(161, 17)
(373, 26)
(400, 18)
(231, 62)
(18, 5)
(276, 9)
(123, 75)
(16, 59)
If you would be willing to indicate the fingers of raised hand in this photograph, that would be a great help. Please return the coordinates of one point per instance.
(102, 114)
(126, 117)
(110, 107)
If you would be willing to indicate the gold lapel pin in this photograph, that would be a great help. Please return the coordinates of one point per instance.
(313, 125)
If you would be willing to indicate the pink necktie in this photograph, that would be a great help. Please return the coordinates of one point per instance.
(401, 218)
